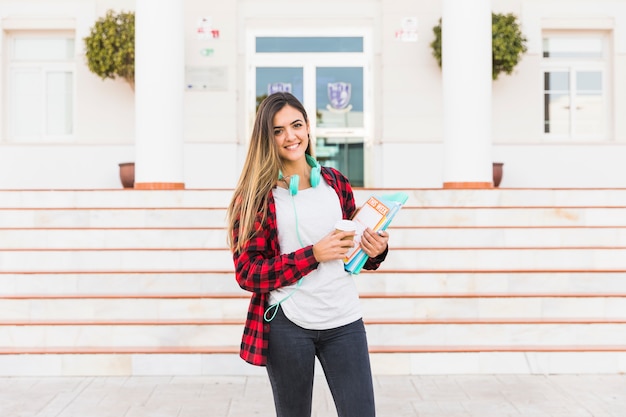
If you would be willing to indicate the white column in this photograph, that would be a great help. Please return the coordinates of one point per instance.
(466, 73)
(159, 93)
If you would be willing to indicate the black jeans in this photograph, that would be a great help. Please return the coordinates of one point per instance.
(343, 355)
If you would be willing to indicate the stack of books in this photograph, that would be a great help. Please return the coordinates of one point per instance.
(377, 213)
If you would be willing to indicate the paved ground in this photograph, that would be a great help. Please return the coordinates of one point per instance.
(423, 396)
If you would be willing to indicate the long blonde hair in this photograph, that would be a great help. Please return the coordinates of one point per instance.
(260, 170)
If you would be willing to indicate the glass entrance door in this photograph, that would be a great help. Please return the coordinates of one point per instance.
(332, 88)
(339, 120)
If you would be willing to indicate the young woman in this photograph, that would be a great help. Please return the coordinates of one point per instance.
(285, 250)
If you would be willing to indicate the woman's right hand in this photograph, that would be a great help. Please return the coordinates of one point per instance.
(333, 246)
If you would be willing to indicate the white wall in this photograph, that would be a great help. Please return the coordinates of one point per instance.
(62, 166)
(407, 98)
(525, 166)
(96, 167)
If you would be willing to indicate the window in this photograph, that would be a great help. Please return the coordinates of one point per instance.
(575, 84)
(308, 44)
(40, 87)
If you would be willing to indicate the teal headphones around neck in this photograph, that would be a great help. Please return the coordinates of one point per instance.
(294, 182)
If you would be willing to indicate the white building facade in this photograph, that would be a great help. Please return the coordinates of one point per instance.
(381, 108)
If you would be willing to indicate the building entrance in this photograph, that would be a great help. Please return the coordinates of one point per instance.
(328, 75)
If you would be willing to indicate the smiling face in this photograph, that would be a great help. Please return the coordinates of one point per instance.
(291, 135)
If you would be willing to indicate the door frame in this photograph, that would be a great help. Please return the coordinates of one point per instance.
(308, 61)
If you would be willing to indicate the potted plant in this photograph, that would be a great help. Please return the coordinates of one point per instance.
(110, 53)
(508, 45)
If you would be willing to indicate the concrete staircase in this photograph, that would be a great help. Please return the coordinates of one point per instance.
(121, 282)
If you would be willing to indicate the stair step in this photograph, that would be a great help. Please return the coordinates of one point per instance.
(163, 349)
(108, 283)
(220, 361)
(385, 349)
(558, 333)
(409, 216)
(397, 349)
(399, 259)
(120, 309)
(246, 295)
(452, 216)
(119, 335)
(410, 236)
(395, 308)
(107, 238)
(174, 217)
(508, 237)
(479, 334)
(481, 282)
(62, 199)
(109, 260)
(504, 309)
(368, 321)
(547, 197)
(507, 259)
(368, 282)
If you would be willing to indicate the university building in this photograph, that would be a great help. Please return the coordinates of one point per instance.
(554, 122)
(528, 276)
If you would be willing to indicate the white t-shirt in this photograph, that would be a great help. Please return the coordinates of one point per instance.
(327, 297)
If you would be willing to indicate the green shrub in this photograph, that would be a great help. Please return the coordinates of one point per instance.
(110, 46)
(508, 43)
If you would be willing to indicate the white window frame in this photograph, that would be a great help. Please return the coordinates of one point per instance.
(572, 66)
(43, 68)
(308, 61)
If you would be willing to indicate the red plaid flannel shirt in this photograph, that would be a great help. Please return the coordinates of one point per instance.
(260, 268)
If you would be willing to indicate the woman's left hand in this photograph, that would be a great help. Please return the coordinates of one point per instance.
(372, 243)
